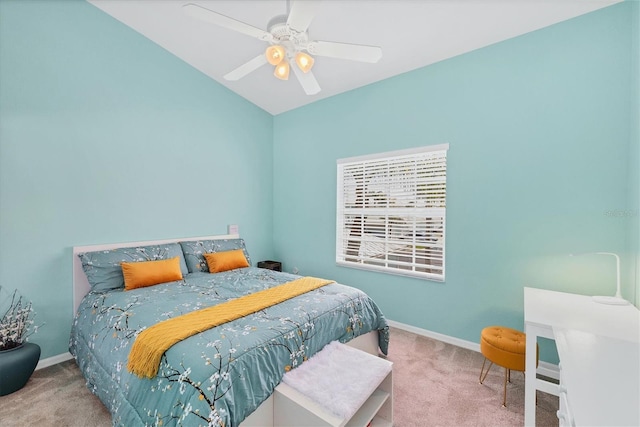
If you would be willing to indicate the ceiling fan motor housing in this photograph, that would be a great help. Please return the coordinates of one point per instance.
(293, 41)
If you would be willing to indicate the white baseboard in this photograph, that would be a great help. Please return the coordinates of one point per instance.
(54, 360)
(436, 336)
(548, 370)
(544, 368)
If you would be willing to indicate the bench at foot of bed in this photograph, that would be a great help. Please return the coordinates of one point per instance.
(339, 386)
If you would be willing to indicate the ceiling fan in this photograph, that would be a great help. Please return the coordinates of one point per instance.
(289, 44)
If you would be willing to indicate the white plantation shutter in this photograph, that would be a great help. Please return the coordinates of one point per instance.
(391, 212)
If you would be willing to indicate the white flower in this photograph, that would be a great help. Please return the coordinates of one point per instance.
(16, 321)
(186, 411)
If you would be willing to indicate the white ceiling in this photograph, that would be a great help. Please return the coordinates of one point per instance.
(411, 33)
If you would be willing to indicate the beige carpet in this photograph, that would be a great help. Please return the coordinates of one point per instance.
(435, 384)
(54, 396)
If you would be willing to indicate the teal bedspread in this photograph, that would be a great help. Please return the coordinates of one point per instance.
(220, 376)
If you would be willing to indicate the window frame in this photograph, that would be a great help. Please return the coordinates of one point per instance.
(427, 221)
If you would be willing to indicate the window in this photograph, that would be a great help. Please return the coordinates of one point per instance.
(391, 212)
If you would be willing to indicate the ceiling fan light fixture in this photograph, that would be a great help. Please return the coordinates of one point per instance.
(275, 54)
(282, 70)
(288, 39)
(304, 61)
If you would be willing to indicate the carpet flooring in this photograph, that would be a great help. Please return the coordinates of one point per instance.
(435, 384)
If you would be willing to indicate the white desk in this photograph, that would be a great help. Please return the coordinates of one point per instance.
(597, 370)
(549, 311)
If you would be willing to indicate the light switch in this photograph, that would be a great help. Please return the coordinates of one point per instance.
(232, 229)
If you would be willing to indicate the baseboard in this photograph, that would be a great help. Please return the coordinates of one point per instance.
(548, 370)
(436, 336)
(54, 360)
(544, 368)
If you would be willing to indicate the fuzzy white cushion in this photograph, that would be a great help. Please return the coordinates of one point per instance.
(339, 378)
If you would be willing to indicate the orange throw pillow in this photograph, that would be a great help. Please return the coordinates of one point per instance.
(148, 273)
(228, 260)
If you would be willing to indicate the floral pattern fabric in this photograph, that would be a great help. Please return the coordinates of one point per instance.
(220, 376)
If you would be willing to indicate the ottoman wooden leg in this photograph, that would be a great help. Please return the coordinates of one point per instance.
(482, 369)
(504, 397)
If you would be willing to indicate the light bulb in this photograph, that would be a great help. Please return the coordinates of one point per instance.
(304, 61)
(282, 70)
(274, 54)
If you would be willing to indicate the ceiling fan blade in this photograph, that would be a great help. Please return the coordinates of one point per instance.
(216, 18)
(307, 80)
(246, 68)
(301, 14)
(353, 52)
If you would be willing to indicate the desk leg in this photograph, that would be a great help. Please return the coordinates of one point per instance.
(530, 377)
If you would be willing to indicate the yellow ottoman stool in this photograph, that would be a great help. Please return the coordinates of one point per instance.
(504, 347)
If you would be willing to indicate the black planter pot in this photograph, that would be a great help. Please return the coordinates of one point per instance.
(16, 367)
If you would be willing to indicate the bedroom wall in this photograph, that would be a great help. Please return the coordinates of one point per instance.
(634, 157)
(106, 137)
(538, 128)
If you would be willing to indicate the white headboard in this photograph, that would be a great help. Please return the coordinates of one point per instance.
(81, 284)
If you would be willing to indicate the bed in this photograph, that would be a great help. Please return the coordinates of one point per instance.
(222, 376)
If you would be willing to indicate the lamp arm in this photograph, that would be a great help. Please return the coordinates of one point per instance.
(618, 293)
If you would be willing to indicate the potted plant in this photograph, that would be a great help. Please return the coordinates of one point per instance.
(18, 358)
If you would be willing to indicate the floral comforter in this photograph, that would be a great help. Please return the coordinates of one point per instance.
(220, 376)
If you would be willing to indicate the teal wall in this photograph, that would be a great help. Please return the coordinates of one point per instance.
(539, 134)
(106, 137)
(634, 156)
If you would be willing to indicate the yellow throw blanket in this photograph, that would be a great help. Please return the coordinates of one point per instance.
(150, 345)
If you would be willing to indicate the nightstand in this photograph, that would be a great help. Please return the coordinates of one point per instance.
(270, 265)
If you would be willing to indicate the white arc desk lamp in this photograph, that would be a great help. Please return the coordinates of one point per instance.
(617, 299)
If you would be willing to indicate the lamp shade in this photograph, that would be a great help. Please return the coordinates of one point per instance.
(304, 61)
(282, 70)
(274, 54)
